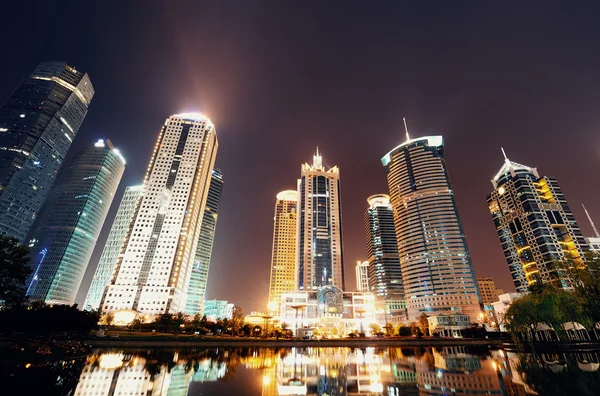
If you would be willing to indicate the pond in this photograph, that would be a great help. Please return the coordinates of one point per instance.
(308, 371)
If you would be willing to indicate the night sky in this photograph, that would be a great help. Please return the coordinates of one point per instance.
(280, 78)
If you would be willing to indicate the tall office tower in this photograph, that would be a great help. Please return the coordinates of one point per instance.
(488, 290)
(385, 274)
(283, 256)
(153, 275)
(37, 125)
(64, 234)
(113, 248)
(320, 259)
(362, 276)
(199, 276)
(535, 225)
(437, 272)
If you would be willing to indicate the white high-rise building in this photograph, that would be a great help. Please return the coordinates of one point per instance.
(113, 248)
(319, 253)
(362, 276)
(153, 275)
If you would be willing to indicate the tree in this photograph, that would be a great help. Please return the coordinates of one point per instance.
(585, 280)
(108, 318)
(237, 319)
(424, 324)
(14, 271)
(389, 329)
(375, 328)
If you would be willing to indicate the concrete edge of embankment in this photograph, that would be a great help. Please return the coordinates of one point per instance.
(138, 343)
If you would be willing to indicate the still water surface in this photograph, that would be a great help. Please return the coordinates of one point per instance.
(308, 371)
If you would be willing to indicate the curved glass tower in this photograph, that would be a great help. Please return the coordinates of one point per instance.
(65, 233)
(38, 122)
(436, 265)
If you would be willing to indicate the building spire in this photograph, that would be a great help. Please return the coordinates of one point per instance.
(504, 154)
(317, 160)
(591, 222)
(406, 129)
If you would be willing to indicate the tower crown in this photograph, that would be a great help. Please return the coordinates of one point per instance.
(512, 168)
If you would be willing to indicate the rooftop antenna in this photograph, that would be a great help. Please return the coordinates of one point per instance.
(504, 154)
(591, 222)
(406, 129)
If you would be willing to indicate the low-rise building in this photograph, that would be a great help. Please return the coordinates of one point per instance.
(448, 325)
(218, 309)
(500, 307)
(328, 311)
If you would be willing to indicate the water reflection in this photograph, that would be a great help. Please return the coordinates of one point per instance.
(322, 371)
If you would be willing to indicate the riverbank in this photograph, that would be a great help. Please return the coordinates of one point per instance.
(229, 342)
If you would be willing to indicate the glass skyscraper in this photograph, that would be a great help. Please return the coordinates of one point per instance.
(37, 125)
(320, 256)
(283, 253)
(153, 274)
(385, 274)
(535, 225)
(65, 233)
(113, 247)
(199, 276)
(437, 272)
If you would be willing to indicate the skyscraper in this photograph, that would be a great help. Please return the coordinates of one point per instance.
(437, 272)
(319, 250)
(385, 274)
(37, 125)
(535, 225)
(153, 275)
(113, 248)
(362, 276)
(65, 233)
(199, 276)
(283, 257)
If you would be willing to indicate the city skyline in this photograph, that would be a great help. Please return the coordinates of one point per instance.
(453, 73)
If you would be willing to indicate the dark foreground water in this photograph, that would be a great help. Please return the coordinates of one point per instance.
(308, 371)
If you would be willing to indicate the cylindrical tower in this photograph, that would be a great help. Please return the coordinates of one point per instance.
(436, 265)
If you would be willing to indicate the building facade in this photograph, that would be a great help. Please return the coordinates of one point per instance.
(64, 234)
(283, 256)
(327, 311)
(113, 248)
(535, 225)
(488, 290)
(362, 276)
(37, 125)
(153, 275)
(319, 251)
(437, 272)
(385, 274)
(594, 244)
(199, 276)
(218, 309)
